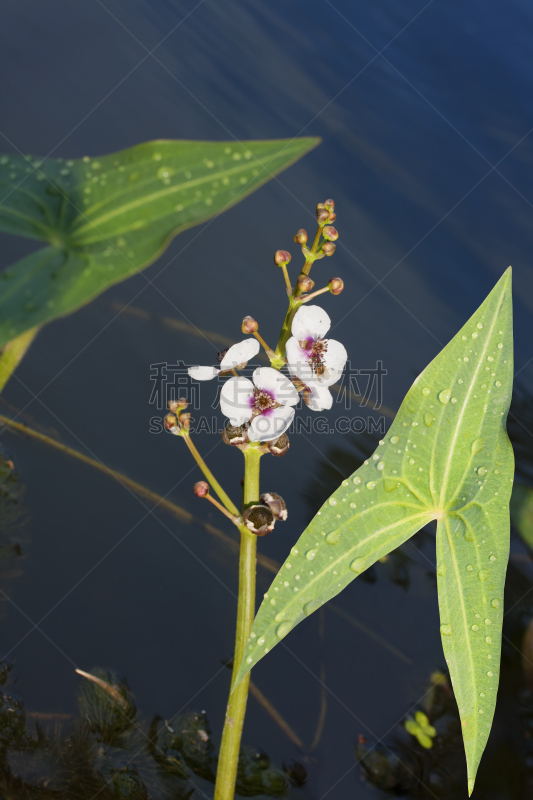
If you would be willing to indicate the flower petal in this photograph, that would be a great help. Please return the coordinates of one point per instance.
(278, 385)
(310, 322)
(298, 360)
(203, 373)
(318, 397)
(266, 427)
(235, 400)
(334, 361)
(240, 353)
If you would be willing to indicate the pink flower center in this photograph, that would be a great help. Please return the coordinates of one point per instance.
(316, 354)
(262, 401)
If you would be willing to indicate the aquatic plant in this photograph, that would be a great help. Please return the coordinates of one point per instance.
(446, 458)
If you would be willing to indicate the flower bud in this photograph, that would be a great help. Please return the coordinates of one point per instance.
(234, 434)
(336, 285)
(249, 325)
(319, 207)
(280, 446)
(330, 233)
(177, 405)
(259, 519)
(332, 216)
(328, 248)
(322, 215)
(282, 258)
(329, 204)
(301, 236)
(304, 283)
(185, 420)
(276, 504)
(201, 489)
(171, 422)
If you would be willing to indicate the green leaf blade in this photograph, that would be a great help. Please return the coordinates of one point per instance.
(107, 218)
(446, 457)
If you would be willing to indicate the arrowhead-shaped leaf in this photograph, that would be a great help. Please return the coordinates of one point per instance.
(107, 218)
(446, 457)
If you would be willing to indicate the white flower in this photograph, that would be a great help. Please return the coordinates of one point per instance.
(237, 355)
(267, 402)
(317, 361)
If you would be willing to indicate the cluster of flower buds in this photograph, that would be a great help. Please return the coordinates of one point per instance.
(176, 419)
(261, 518)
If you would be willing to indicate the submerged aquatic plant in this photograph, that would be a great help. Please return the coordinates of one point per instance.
(446, 458)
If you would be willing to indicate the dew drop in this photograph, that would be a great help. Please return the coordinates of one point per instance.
(353, 505)
(371, 485)
(283, 629)
(381, 465)
(488, 622)
(481, 471)
(498, 384)
(332, 501)
(310, 554)
(469, 568)
(500, 345)
(446, 630)
(483, 575)
(311, 606)
(441, 570)
(333, 537)
(249, 660)
(356, 480)
(429, 419)
(358, 565)
(394, 440)
(477, 446)
(426, 391)
(490, 674)
(479, 325)
(468, 535)
(445, 396)
(475, 627)
(492, 558)
(495, 603)
(488, 639)
(475, 335)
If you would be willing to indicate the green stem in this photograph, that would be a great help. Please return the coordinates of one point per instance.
(231, 738)
(208, 474)
(294, 304)
(13, 353)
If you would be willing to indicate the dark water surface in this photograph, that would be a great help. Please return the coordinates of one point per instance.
(425, 115)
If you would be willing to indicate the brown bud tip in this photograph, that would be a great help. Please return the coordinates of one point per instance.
(332, 216)
(234, 435)
(185, 420)
(322, 215)
(177, 405)
(330, 233)
(329, 248)
(319, 207)
(300, 236)
(201, 489)
(329, 204)
(280, 446)
(170, 422)
(259, 519)
(336, 285)
(304, 283)
(276, 504)
(282, 258)
(249, 325)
